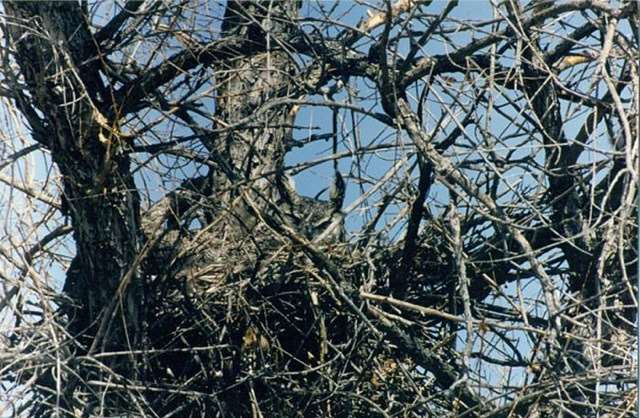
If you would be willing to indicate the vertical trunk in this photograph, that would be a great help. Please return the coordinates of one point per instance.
(254, 148)
(53, 47)
(247, 81)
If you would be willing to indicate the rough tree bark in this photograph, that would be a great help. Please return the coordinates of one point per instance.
(56, 54)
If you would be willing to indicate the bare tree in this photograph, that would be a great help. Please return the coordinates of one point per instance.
(469, 251)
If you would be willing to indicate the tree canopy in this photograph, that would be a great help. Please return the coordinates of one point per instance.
(314, 208)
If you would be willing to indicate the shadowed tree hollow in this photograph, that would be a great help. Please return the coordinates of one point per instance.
(313, 208)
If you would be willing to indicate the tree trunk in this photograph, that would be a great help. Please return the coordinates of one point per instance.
(103, 282)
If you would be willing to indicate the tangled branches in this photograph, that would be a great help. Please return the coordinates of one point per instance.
(319, 209)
